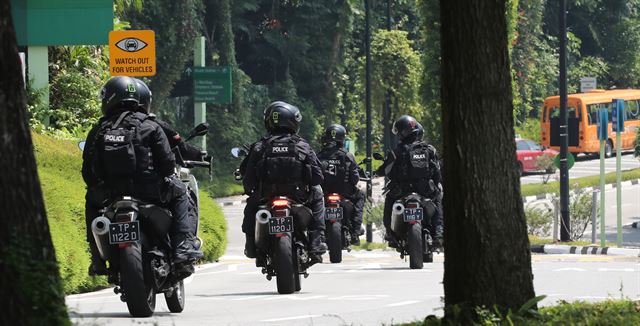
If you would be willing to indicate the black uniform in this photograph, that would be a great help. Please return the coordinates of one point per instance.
(341, 175)
(127, 153)
(283, 164)
(413, 166)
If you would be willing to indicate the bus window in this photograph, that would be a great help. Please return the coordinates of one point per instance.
(632, 110)
(554, 112)
(592, 111)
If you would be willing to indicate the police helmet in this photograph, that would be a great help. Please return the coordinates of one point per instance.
(145, 95)
(334, 132)
(405, 127)
(420, 133)
(119, 92)
(283, 117)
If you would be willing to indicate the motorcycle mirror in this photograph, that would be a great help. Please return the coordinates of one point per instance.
(378, 156)
(237, 152)
(199, 130)
(81, 145)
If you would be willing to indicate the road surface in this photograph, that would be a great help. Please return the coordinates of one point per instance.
(368, 288)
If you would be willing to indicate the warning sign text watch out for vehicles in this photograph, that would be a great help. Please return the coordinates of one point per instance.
(132, 53)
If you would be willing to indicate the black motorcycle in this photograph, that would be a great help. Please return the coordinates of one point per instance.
(133, 237)
(280, 238)
(410, 223)
(337, 225)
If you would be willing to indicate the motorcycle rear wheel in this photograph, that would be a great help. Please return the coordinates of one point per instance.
(414, 239)
(140, 295)
(335, 242)
(176, 301)
(283, 265)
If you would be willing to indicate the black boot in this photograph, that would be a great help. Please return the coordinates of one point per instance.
(317, 243)
(184, 250)
(391, 239)
(97, 266)
(355, 239)
(249, 246)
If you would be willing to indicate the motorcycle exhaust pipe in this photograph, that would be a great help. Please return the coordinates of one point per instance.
(262, 218)
(397, 222)
(100, 230)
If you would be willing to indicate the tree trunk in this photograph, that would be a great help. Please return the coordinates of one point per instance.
(31, 289)
(488, 261)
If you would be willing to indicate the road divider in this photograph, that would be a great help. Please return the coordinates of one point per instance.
(584, 250)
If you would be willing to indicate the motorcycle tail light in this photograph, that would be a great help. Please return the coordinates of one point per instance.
(332, 198)
(412, 205)
(128, 217)
(280, 203)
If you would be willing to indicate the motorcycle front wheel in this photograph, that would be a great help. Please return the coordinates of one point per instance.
(140, 295)
(175, 301)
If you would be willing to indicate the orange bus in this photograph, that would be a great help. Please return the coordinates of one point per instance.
(582, 111)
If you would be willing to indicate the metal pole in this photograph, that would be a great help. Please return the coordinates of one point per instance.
(368, 106)
(199, 109)
(565, 228)
(556, 212)
(618, 189)
(387, 97)
(602, 208)
(594, 215)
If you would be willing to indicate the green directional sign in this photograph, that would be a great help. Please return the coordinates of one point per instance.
(212, 84)
(571, 160)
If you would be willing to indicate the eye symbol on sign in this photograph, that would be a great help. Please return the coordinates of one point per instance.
(131, 44)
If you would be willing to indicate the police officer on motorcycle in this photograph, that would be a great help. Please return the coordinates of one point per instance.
(127, 153)
(412, 166)
(295, 173)
(341, 174)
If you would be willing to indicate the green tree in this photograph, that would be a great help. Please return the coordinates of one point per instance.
(398, 69)
(29, 276)
(488, 256)
(430, 84)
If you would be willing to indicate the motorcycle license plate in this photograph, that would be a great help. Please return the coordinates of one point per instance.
(280, 224)
(124, 232)
(333, 213)
(412, 214)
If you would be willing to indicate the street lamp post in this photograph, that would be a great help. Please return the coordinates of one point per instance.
(368, 108)
(565, 226)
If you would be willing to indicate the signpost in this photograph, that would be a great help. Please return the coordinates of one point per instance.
(132, 53)
(617, 124)
(199, 108)
(603, 125)
(212, 84)
(588, 84)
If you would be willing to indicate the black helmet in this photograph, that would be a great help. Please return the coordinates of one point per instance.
(282, 116)
(119, 92)
(334, 132)
(145, 95)
(405, 127)
(420, 131)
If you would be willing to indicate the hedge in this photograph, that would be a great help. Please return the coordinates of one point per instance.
(59, 163)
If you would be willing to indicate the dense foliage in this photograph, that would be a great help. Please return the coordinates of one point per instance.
(312, 54)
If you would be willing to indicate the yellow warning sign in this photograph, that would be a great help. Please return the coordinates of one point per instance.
(132, 53)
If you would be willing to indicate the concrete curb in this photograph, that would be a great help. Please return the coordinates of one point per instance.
(584, 250)
(627, 183)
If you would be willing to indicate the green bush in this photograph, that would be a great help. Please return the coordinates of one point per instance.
(59, 163)
(529, 129)
(539, 220)
(636, 152)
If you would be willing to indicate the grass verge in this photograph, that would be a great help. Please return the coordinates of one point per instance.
(370, 246)
(543, 241)
(584, 182)
(609, 312)
(59, 163)
(222, 186)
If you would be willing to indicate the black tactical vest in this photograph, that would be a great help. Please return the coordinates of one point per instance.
(414, 165)
(334, 168)
(282, 167)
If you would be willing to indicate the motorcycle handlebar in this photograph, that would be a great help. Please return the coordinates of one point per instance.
(203, 164)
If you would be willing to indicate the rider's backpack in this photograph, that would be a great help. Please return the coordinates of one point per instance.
(282, 166)
(118, 151)
(334, 169)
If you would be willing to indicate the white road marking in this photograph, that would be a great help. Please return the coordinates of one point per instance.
(567, 269)
(402, 303)
(615, 269)
(290, 318)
